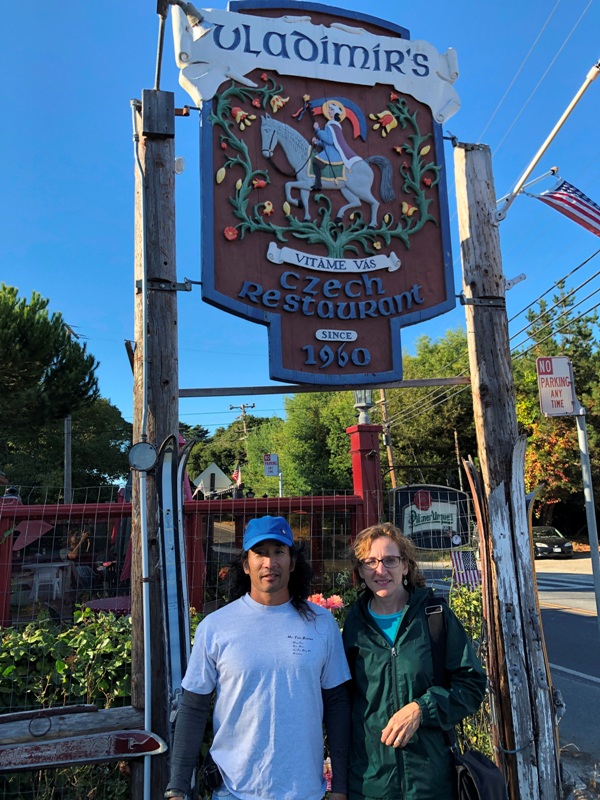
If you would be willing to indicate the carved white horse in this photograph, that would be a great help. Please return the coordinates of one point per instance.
(355, 185)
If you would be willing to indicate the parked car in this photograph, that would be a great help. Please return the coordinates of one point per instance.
(550, 543)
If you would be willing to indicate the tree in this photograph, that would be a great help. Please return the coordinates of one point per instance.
(45, 373)
(265, 438)
(226, 447)
(315, 449)
(100, 440)
(552, 457)
(424, 421)
(196, 432)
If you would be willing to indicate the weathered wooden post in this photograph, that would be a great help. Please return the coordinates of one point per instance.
(523, 694)
(156, 389)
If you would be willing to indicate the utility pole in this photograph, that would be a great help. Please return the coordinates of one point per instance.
(518, 666)
(242, 416)
(387, 436)
(67, 478)
(156, 398)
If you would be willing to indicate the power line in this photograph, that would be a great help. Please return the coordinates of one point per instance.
(555, 285)
(518, 72)
(541, 80)
(559, 302)
(558, 330)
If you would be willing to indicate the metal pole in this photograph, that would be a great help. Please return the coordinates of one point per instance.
(590, 511)
(591, 76)
(68, 480)
(281, 484)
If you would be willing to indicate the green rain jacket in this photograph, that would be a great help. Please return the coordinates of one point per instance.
(386, 678)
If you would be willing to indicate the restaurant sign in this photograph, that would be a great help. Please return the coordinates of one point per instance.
(324, 207)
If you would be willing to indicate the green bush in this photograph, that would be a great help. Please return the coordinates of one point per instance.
(44, 666)
(475, 732)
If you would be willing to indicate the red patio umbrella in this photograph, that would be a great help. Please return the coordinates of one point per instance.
(30, 532)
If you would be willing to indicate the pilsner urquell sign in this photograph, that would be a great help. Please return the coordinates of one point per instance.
(324, 208)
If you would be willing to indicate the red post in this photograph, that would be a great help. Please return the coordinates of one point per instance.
(5, 571)
(366, 473)
(195, 559)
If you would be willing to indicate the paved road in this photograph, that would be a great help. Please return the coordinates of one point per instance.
(572, 635)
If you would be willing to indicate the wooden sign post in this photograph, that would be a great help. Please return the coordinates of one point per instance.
(156, 390)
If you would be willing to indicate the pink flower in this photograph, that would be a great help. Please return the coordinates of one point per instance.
(327, 773)
(335, 601)
(256, 102)
(230, 234)
(393, 96)
(259, 183)
(427, 181)
(318, 600)
(223, 145)
(264, 77)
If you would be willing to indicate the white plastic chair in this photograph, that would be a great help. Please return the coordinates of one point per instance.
(47, 576)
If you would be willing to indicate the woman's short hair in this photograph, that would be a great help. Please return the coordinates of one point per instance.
(361, 548)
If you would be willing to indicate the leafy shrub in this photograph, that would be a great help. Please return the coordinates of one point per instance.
(475, 732)
(44, 666)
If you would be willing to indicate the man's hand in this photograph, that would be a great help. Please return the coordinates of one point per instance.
(401, 727)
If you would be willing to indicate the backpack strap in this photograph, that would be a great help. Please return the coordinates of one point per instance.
(436, 622)
(434, 611)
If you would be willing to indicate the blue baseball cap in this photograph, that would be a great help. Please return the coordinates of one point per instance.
(277, 528)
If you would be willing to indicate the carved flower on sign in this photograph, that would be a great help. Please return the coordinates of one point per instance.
(278, 102)
(360, 230)
(242, 117)
(385, 121)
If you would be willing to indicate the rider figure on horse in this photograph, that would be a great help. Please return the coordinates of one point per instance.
(333, 154)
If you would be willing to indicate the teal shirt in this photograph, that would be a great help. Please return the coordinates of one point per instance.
(388, 623)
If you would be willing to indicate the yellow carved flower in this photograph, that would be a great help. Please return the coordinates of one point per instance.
(278, 102)
(384, 120)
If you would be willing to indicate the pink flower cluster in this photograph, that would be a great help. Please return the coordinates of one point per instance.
(327, 773)
(335, 601)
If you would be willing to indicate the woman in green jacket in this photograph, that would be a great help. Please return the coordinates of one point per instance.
(399, 751)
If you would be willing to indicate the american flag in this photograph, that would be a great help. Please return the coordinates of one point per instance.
(573, 204)
(237, 475)
(464, 568)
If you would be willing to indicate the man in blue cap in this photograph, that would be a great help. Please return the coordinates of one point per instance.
(277, 667)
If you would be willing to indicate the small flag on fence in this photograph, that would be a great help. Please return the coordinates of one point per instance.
(464, 568)
(573, 204)
(199, 489)
(237, 475)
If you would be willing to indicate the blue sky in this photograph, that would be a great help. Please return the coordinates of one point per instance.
(69, 72)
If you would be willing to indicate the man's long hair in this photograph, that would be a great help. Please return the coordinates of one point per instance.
(299, 584)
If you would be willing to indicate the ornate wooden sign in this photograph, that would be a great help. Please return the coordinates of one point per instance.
(324, 208)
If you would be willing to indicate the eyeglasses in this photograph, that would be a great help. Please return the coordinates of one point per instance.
(389, 562)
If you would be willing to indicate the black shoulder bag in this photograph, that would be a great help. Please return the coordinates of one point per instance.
(478, 778)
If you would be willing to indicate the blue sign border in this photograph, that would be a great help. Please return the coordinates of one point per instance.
(210, 294)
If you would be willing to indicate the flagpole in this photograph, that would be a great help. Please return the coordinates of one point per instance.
(551, 171)
(590, 77)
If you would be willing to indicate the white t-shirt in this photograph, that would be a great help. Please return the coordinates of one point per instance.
(268, 665)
